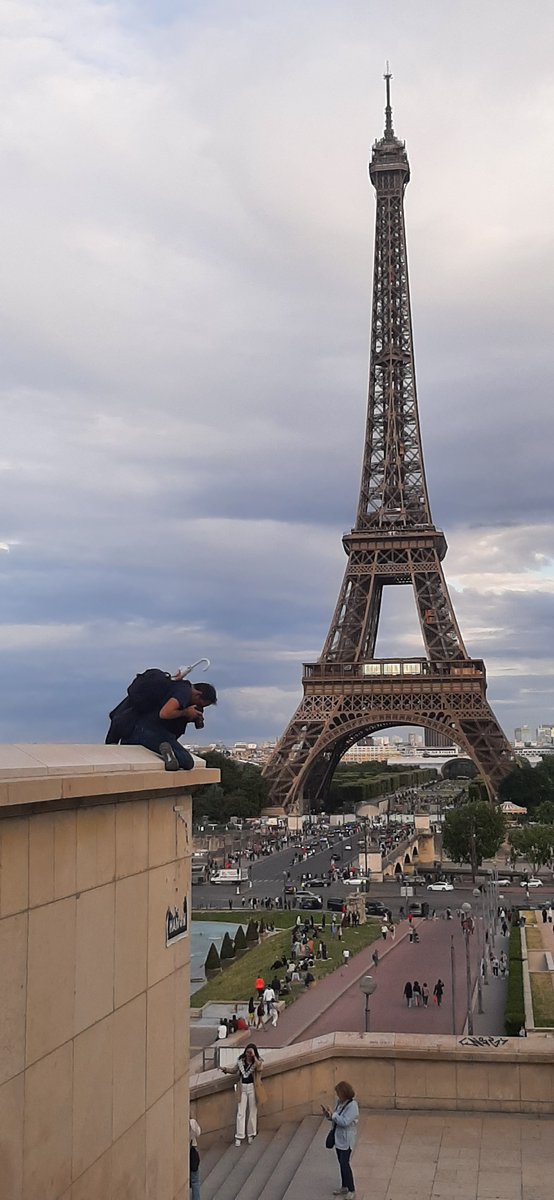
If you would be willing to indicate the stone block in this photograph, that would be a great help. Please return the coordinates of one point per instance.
(131, 838)
(129, 1064)
(160, 1039)
(11, 1138)
(96, 1182)
(181, 1137)
(47, 1126)
(41, 859)
(50, 978)
(94, 956)
(181, 1026)
(129, 1164)
(13, 994)
(14, 866)
(65, 854)
(162, 830)
(131, 911)
(92, 1094)
(95, 846)
(159, 1149)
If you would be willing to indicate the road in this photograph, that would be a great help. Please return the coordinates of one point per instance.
(268, 877)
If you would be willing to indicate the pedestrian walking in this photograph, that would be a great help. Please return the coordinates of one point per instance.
(408, 993)
(438, 992)
(344, 1119)
(417, 993)
(503, 964)
(495, 965)
(260, 986)
(251, 1011)
(375, 957)
(384, 931)
(425, 995)
(504, 928)
(248, 1068)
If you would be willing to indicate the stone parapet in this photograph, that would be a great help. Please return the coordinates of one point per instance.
(390, 1071)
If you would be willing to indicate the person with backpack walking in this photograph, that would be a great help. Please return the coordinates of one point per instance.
(438, 991)
(156, 712)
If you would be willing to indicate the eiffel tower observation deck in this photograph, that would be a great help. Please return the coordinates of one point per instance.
(348, 693)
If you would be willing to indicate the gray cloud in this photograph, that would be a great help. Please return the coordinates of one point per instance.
(186, 243)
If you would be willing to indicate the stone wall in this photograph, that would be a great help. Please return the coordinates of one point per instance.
(94, 1006)
(388, 1071)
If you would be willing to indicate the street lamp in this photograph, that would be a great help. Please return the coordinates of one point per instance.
(368, 986)
(284, 890)
(467, 926)
(482, 969)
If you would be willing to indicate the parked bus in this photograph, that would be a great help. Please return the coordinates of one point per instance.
(230, 875)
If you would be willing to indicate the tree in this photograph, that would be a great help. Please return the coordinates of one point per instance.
(545, 813)
(213, 962)
(472, 832)
(227, 951)
(534, 843)
(242, 792)
(529, 786)
(252, 933)
(241, 944)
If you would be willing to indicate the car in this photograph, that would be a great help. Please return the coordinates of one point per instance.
(319, 881)
(336, 857)
(336, 904)
(356, 880)
(416, 910)
(504, 882)
(531, 883)
(441, 886)
(348, 846)
(306, 902)
(375, 908)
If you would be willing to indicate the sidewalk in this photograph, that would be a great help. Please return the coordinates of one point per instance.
(337, 1003)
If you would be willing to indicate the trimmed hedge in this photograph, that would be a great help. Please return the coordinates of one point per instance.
(240, 941)
(252, 933)
(227, 952)
(212, 963)
(514, 1016)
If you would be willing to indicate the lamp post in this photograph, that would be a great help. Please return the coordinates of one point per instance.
(467, 926)
(453, 983)
(368, 986)
(284, 890)
(481, 967)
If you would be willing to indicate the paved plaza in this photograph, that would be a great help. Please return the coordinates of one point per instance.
(453, 1156)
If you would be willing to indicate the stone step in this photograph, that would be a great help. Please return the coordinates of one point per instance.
(235, 1164)
(269, 1164)
(278, 1185)
(317, 1172)
(210, 1157)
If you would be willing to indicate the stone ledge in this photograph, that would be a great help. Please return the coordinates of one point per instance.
(39, 774)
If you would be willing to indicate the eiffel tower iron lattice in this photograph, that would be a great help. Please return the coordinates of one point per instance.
(348, 693)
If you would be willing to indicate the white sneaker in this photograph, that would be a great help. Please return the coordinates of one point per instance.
(342, 1191)
(350, 1195)
(251, 1139)
(237, 1141)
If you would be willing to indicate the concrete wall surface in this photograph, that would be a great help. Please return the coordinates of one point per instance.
(389, 1071)
(94, 1005)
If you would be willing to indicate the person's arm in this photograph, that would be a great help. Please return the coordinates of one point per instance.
(172, 709)
(347, 1116)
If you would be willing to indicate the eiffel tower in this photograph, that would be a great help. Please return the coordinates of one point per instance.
(348, 693)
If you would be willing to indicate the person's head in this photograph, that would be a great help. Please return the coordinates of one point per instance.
(345, 1091)
(250, 1053)
(203, 695)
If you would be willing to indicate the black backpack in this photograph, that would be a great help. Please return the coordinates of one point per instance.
(194, 1158)
(149, 690)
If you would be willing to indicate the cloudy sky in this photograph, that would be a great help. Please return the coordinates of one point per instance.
(186, 230)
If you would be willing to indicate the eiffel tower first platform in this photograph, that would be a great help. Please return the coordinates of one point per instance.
(348, 693)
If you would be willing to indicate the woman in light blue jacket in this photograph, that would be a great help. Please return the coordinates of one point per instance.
(345, 1123)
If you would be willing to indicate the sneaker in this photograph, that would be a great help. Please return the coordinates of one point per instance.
(342, 1191)
(169, 757)
(251, 1139)
(350, 1195)
(237, 1141)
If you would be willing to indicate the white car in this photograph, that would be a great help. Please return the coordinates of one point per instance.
(531, 883)
(504, 882)
(442, 886)
(356, 880)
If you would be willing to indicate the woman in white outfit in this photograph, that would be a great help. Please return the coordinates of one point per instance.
(248, 1067)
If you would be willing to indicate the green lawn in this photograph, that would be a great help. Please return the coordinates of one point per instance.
(533, 937)
(236, 982)
(542, 991)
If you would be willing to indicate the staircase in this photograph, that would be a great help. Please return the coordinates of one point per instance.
(281, 1164)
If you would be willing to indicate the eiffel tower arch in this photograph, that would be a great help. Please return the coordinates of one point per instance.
(348, 693)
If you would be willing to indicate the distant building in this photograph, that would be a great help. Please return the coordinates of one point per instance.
(545, 735)
(437, 741)
(522, 735)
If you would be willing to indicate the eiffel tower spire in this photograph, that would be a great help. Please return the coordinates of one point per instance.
(348, 693)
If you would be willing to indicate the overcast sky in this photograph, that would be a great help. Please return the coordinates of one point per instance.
(186, 237)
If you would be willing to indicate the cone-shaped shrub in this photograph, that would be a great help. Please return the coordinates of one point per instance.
(262, 926)
(227, 951)
(212, 963)
(252, 933)
(240, 941)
